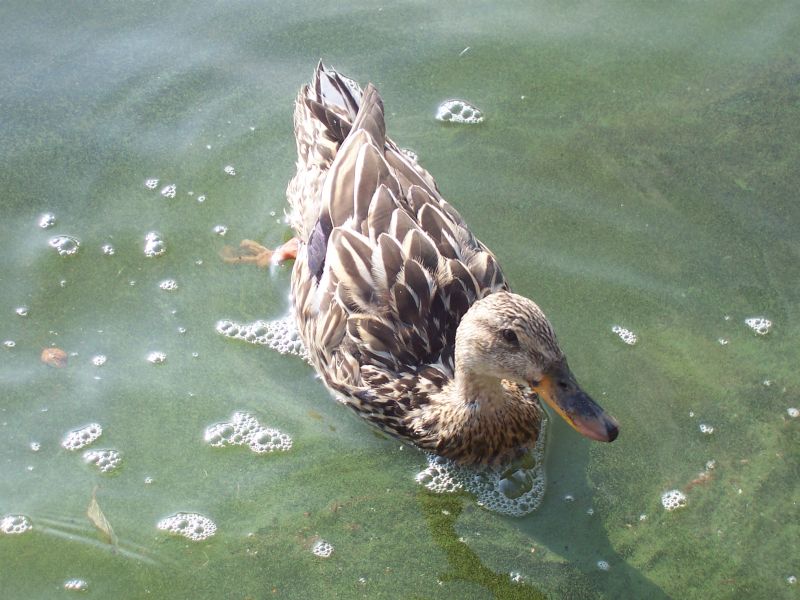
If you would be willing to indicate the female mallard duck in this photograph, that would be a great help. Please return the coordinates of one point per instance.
(404, 313)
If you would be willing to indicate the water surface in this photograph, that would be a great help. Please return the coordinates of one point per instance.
(637, 167)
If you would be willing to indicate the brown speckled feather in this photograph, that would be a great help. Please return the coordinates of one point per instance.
(379, 302)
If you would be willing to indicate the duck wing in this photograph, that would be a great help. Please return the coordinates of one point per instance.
(389, 267)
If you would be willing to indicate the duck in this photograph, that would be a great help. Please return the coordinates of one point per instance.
(405, 315)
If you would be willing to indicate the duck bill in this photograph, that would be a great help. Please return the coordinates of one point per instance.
(560, 390)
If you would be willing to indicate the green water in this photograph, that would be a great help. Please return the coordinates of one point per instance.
(638, 166)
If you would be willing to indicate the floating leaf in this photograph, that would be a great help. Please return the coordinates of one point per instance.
(99, 520)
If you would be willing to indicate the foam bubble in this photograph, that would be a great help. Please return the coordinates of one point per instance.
(723, 341)
(153, 244)
(322, 549)
(515, 489)
(673, 499)
(9, 343)
(80, 438)
(244, 430)
(15, 524)
(280, 334)
(105, 460)
(99, 360)
(626, 335)
(230, 170)
(220, 230)
(793, 412)
(76, 585)
(192, 526)
(760, 325)
(201, 198)
(168, 285)
(65, 245)
(151, 183)
(603, 565)
(156, 357)
(707, 429)
(22, 311)
(169, 191)
(107, 249)
(47, 220)
(791, 580)
(458, 111)
(35, 446)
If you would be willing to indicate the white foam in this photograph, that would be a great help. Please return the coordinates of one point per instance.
(707, 429)
(458, 111)
(76, 585)
(151, 183)
(515, 489)
(168, 285)
(220, 230)
(322, 549)
(21, 311)
(760, 325)
(603, 565)
(626, 335)
(153, 244)
(47, 220)
(80, 438)
(192, 526)
(65, 245)
(105, 460)
(230, 170)
(793, 412)
(280, 334)
(156, 357)
(673, 499)
(15, 524)
(244, 430)
(169, 191)
(99, 360)
(107, 249)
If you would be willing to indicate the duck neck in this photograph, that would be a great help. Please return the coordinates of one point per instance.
(479, 391)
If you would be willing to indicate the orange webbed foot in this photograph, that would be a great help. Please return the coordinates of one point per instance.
(250, 252)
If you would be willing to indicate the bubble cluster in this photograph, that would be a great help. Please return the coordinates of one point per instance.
(76, 585)
(105, 460)
(192, 526)
(230, 170)
(35, 446)
(15, 524)
(220, 230)
(793, 412)
(515, 489)
(603, 565)
(47, 220)
(169, 191)
(791, 580)
(80, 438)
(673, 499)
(9, 343)
(168, 285)
(707, 429)
(156, 357)
(760, 325)
(21, 311)
(322, 549)
(151, 183)
(65, 245)
(458, 111)
(244, 429)
(280, 334)
(107, 249)
(626, 335)
(99, 360)
(153, 244)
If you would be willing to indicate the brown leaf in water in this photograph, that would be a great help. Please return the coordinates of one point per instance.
(99, 520)
(55, 357)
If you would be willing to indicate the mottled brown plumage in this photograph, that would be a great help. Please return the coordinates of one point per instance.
(404, 313)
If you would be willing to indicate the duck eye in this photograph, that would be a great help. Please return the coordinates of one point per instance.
(510, 337)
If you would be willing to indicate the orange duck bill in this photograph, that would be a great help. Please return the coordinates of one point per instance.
(560, 390)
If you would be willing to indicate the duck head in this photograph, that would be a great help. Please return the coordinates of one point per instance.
(507, 336)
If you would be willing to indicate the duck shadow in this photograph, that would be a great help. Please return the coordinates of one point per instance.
(569, 527)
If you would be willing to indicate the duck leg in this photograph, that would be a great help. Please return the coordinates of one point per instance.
(251, 252)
